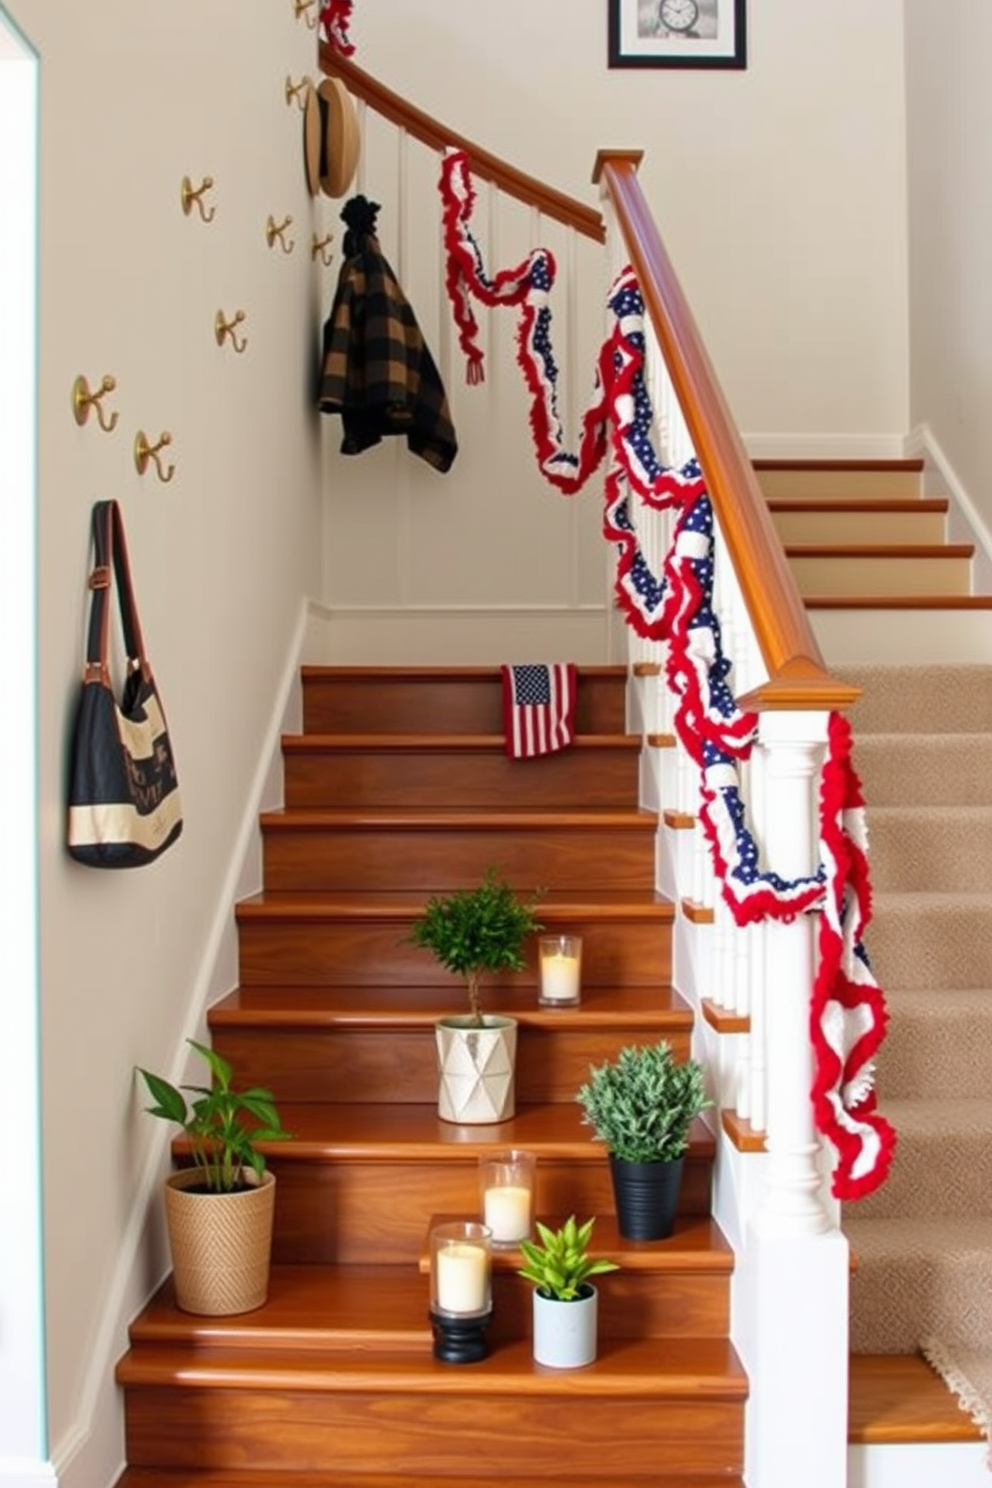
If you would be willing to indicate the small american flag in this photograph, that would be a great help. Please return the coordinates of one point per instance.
(538, 708)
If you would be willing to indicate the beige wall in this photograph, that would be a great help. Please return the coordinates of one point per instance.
(132, 99)
(950, 215)
(780, 191)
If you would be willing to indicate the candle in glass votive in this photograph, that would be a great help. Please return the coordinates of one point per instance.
(561, 968)
(506, 1180)
(460, 1280)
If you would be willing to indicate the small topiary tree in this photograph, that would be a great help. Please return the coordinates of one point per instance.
(474, 931)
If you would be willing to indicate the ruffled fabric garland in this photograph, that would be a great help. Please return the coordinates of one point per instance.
(847, 1014)
(335, 18)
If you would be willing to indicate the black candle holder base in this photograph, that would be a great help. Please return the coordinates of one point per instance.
(460, 1340)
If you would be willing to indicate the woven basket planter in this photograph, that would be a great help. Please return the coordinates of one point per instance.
(221, 1244)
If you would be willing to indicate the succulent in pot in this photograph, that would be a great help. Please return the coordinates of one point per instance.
(472, 932)
(565, 1301)
(642, 1105)
(219, 1210)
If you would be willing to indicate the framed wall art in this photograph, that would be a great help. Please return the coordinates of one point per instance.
(677, 33)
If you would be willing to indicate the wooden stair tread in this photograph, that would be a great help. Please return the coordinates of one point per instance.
(898, 1398)
(879, 550)
(642, 1368)
(415, 1007)
(556, 905)
(351, 1306)
(696, 1244)
(308, 1307)
(429, 674)
(912, 464)
(455, 819)
(444, 743)
(898, 602)
(140, 1477)
(406, 1132)
(850, 504)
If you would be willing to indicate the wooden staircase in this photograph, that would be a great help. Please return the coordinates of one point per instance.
(860, 534)
(399, 786)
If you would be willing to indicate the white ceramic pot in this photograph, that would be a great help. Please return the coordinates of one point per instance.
(476, 1068)
(565, 1332)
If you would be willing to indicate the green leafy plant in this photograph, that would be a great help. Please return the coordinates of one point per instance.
(560, 1266)
(642, 1103)
(221, 1142)
(473, 931)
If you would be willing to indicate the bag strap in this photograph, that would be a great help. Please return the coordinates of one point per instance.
(110, 560)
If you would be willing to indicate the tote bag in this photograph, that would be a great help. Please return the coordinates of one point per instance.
(124, 803)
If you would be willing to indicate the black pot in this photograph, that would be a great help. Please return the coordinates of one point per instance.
(646, 1197)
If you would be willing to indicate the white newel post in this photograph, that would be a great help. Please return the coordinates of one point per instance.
(794, 1272)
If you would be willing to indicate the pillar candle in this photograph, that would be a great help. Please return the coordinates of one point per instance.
(462, 1278)
(506, 1210)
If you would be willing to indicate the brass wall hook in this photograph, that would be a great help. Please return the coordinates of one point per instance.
(303, 8)
(275, 230)
(322, 246)
(300, 91)
(143, 452)
(190, 196)
(224, 328)
(83, 399)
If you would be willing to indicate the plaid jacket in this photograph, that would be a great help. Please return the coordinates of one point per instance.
(377, 372)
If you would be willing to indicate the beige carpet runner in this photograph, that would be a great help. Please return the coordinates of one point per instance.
(923, 749)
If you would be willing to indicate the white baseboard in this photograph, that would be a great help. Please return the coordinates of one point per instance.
(965, 524)
(15, 1473)
(825, 446)
(89, 1453)
(459, 635)
(919, 1465)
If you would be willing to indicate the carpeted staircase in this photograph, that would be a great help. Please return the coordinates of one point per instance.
(924, 1242)
(880, 579)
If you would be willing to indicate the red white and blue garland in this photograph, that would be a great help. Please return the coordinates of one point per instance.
(335, 18)
(847, 1012)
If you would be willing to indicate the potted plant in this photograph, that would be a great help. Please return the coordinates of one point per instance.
(471, 932)
(219, 1210)
(565, 1301)
(642, 1104)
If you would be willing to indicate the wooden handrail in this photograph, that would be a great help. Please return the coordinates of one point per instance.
(528, 189)
(797, 676)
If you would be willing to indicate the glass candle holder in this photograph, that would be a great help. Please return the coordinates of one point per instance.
(506, 1184)
(561, 969)
(461, 1269)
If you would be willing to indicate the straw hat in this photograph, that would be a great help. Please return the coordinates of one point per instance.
(332, 138)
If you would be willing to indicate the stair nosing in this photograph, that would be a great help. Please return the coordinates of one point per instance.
(852, 505)
(634, 1368)
(455, 819)
(908, 465)
(290, 906)
(442, 743)
(357, 1015)
(874, 551)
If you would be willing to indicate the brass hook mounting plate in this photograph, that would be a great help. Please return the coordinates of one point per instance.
(145, 452)
(83, 399)
(224, 328)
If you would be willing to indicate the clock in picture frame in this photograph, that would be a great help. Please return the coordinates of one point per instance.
(678, 33)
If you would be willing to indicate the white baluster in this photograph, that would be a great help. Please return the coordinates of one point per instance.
(793, 747)
(758, 1076)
